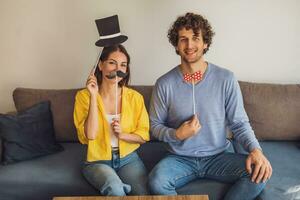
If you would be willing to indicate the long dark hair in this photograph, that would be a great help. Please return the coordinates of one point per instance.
(104, 56)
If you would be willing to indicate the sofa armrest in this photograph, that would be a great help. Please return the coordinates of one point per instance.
(1, 150)
(1, 142)
(12, 113)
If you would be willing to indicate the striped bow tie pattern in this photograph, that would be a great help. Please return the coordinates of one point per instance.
(197, 76)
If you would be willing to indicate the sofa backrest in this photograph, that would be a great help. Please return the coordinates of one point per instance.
(273, 109)
(62, 106)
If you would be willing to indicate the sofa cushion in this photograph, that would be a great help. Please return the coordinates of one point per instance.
(45, 177)
(284, 157)
(62, 105)
(28, 134)
(60, 174)
(273, 110)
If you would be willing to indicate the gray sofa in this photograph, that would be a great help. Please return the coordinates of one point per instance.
(274, 112)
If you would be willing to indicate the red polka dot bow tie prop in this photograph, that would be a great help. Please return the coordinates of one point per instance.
(197, 76)
(191, 78)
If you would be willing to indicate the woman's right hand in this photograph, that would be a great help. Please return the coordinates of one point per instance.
(92, 84)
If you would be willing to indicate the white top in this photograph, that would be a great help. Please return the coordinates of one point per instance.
(114, 141)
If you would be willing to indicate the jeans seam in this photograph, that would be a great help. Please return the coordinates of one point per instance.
(224, 175)
(183, 176)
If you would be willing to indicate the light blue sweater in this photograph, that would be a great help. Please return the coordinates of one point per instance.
(219, 104)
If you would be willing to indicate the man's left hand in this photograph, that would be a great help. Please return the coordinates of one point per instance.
(262, 170)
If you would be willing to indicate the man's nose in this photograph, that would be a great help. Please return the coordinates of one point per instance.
(189, 44)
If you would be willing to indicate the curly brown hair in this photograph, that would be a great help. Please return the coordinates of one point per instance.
(191, 21)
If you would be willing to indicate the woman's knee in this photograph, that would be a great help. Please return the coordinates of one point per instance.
(115, 188)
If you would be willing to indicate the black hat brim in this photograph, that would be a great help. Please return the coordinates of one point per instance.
(111, 41)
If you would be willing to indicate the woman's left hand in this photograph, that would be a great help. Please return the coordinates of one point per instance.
(116, 127)
(128, 137)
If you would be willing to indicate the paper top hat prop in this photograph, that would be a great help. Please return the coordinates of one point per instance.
(109, 31)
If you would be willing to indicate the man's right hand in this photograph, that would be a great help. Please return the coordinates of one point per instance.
(92, 84)
(188, 128)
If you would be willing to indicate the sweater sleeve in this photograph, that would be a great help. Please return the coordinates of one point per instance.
(159, 115)
(80, 114)
(238, 120)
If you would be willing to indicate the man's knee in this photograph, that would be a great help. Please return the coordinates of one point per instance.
(159, 184)
(154, 185)
(254, 187)
(260, 186)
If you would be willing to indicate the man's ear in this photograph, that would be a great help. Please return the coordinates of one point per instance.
(176, 50)
(205, 46)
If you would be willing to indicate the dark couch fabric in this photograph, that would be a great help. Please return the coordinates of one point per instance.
(1, 150)
(45, 177)
(285, 159)
(59, 174)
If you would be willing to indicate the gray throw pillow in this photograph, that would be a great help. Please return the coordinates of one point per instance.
(29, 134)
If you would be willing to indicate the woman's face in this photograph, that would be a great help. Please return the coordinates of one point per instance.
(115, 61)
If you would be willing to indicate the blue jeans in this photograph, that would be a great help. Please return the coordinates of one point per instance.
(175, 171)
(118, 177)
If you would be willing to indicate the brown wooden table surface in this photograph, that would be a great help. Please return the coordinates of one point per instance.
(149, 197)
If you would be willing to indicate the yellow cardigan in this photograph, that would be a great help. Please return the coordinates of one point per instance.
(134, 119)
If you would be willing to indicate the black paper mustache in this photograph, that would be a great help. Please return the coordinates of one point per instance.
(118, 73)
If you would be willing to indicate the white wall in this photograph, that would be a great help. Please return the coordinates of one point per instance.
(50, 43)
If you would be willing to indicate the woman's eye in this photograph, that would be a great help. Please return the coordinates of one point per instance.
(111, 63)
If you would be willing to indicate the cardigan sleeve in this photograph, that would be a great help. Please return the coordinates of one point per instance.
(80, 114)
(142, 124)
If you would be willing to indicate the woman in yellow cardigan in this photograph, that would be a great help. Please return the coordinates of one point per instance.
(112, 166)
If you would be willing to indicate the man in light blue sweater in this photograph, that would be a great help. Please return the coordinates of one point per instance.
(191, 108)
